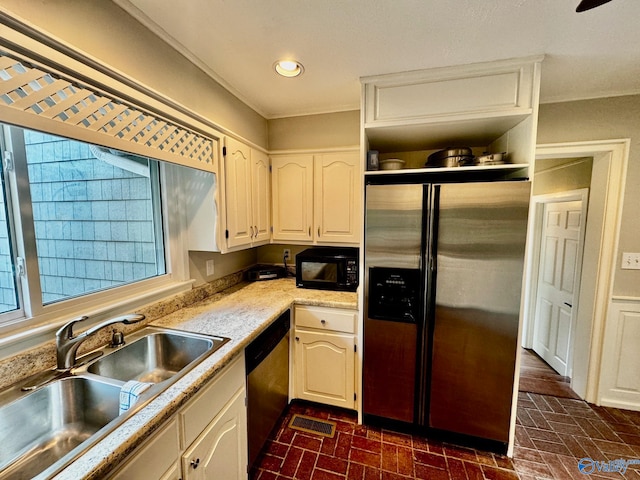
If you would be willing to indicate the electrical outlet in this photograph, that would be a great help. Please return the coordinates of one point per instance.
(210, 268)
(286, 254)
(631, 261)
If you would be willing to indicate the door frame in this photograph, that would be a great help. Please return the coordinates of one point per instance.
(538, 203)
(608, 177)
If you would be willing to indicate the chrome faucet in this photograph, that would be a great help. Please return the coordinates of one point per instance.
(67, 345)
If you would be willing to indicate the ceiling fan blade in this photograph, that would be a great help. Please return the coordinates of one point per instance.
(589, 4)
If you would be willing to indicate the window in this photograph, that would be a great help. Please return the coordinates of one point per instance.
(91, 218)
(8, 286)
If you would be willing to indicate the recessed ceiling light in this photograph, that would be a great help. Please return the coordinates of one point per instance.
(288, 68)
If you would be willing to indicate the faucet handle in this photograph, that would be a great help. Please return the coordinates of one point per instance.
(66, 331)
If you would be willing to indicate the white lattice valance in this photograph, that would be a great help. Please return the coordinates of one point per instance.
(34, 98)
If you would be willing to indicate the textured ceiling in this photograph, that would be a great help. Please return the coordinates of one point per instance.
(587, 55)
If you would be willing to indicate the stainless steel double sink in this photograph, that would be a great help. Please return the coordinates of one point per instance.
(43, 430)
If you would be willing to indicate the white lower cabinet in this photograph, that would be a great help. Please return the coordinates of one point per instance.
(206, 439)
(220, 452)
(325, 355)
(157, 458)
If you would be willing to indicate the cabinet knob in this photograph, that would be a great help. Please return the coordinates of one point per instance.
(195, 463)
(318, 231)
(309, 231)
(323, 321)
(297, 339)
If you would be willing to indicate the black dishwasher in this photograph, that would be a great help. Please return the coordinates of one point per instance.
(267, 364)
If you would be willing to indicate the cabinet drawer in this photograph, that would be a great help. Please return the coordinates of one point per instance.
(326, 318)
(208, 403)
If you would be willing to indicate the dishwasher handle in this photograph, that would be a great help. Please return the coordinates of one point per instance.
(264, 344)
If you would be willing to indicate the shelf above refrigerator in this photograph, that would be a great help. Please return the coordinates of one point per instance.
(506, 168)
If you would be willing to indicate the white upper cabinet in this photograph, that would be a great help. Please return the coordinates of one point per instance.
(337, 203)
(292, 181)
(490, 107)
(246, 175)
(316, 198)
(237, 169)
(504, 88)
(261, 191)
(230, 210)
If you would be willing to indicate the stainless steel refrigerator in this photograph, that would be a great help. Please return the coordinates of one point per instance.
(443, 278)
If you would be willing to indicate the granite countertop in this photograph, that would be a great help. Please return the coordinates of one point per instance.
(240, 313)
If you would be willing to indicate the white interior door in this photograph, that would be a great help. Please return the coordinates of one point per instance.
(558, 286)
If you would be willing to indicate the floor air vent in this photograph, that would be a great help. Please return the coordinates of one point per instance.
(326, 428)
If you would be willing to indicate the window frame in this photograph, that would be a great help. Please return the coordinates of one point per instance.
(13, 225)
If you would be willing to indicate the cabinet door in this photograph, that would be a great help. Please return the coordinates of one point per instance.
(324, 368)
(220, 452)
(261, 205)
(337, 197)
(292, 183)
(442, 94)
(157, 458)
(237, 171)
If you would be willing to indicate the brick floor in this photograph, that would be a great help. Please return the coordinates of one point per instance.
(567, 430)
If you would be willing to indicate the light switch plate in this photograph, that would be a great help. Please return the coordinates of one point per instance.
(210, 268)
(631, 261)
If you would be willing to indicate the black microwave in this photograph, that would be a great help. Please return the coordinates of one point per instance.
(328, 268)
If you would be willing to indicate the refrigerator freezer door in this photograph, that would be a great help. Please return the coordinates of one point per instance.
(479, 257)
(393, 241)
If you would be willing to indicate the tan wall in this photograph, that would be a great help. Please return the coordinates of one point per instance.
(341, 129)
(223, 264)
(560, 175)
(104, 31)
(601, 119)
(274, 253)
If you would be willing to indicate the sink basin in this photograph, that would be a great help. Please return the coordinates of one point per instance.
(42, 431)
(40, 428)
(154, 357)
